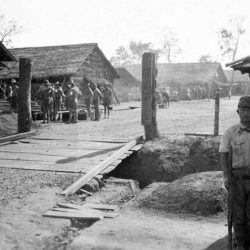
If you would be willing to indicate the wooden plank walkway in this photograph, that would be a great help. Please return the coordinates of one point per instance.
(58, 153)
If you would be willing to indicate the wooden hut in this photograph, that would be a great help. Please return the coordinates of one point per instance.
(81, 62)
(127, 86)
(182, 77)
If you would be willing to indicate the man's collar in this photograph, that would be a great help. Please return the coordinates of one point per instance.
(243, 128)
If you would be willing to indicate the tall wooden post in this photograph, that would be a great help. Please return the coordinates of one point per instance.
(148, 111)
(217, 112)
(24, 96)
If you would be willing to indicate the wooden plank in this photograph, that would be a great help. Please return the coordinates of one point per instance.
(57, 147)
(75, 143)
(100, 167)
(80, 138)
(89, 205)
(17, 136)
(68, 215)
(197, 134)
(137, 147)
(111, 167)
(86, 192)
(101, 206)
(86, 210)
(91, 158)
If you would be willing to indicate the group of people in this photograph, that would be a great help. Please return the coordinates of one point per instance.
(198, 93)
(11, 93)
(53, 98)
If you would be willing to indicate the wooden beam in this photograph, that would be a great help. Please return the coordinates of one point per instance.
(100, 167)
(68, 215)
(89, 205)
(84, 211)
(197, 134)
(17, 136)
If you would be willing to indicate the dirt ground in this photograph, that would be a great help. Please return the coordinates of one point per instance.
(25, 195)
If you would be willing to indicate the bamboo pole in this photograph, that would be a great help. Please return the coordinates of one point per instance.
(148, 113)
(24, 96)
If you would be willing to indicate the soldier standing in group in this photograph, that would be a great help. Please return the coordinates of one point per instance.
(237, 137)
(88, 95)
(47, 101)
(14, 94)
(72, 97)
(97, 95)
(58, 100)
(107, 96)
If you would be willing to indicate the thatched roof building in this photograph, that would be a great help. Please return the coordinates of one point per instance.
(181, 76)
(127, 86)
(64, 61)
(80, 62)
(184, 73)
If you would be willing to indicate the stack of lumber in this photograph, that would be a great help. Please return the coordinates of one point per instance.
(87, 211)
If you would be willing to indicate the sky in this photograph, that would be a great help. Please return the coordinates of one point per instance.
(112, 23)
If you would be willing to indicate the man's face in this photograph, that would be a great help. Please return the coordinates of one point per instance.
(244, 114)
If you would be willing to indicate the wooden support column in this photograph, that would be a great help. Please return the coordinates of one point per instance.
(24, 96)
(217, 112)
(148, 113)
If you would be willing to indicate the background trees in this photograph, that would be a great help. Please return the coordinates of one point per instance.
(8, 29)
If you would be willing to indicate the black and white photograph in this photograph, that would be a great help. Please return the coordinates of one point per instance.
(124, 125)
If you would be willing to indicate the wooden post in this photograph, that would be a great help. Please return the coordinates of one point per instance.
(217, 112)
(148, 113)
(24, 98)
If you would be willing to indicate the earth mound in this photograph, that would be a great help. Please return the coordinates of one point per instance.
(166, 160)
(9, 124)
(199, 194)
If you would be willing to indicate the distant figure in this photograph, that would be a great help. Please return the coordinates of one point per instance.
(58, 101)
(47, 101)
(88, 95)
(158, 96)
(97, 96)
(203, 94)
(9, 94)
(229, 92)
(166, 98)
(107, 97)
(72, 97)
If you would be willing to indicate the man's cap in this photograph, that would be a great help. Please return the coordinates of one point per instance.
(13, 81)
(244, 102)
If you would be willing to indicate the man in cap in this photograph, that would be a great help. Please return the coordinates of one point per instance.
(14, 94)
(88, 95)
(97, 96)
(237, 137)
(58, 100)
(107, 97)
(47, 101)
(72, 96)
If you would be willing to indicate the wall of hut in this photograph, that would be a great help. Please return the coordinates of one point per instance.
(95, 66)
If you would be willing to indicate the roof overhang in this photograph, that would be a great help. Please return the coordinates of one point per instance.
(243, 65)
(5, 55)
